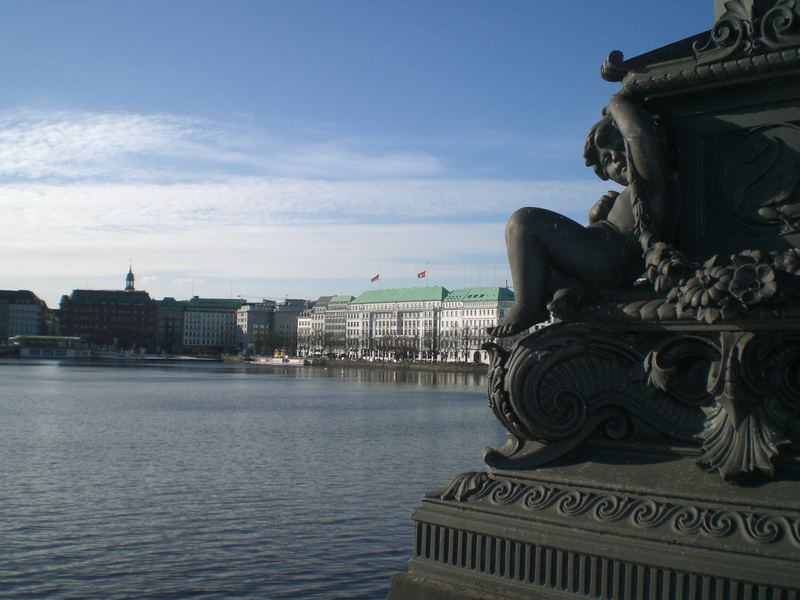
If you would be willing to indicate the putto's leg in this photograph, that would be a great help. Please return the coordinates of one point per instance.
(538, 240)
(530, 267)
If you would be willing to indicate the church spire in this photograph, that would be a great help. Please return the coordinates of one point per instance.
(129, 280)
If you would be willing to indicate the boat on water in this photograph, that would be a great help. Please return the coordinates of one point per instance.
(49, 346)
(283, 361)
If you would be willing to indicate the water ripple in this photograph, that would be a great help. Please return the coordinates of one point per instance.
(222, 482)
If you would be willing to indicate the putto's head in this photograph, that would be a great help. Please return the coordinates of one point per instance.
(604, 151)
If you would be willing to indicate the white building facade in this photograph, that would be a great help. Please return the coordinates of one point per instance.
(209, 325)
(466, 315)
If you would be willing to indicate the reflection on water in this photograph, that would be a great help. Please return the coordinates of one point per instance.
(223, 480)
(422, 378)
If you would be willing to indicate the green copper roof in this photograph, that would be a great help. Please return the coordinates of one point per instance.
(480, 294)
(214, 304)
(418, 294)
(340, 301)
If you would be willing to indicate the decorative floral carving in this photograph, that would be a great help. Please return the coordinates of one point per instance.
(639, 512)
(719, 289)
(748, 396)
(742, 451)
(787, 261)
(666, 266)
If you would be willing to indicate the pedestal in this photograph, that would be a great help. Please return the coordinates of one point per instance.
(621, 527)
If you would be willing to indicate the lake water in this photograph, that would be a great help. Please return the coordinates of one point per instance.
(219, 481)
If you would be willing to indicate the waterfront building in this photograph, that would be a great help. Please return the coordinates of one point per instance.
(110, 318)
(322, 329)
(254, 326)
(319, 314)
(311, 328)
(395, 323)
(119, 319)
(169, 323)
(21, 313)
(209, 325)
(465, 316)
(285, 323)
(304, 345)
(335, 330)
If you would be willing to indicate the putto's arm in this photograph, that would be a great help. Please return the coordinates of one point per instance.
(648, 175)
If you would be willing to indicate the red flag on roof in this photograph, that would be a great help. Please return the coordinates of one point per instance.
(376, 278)
(422, 275)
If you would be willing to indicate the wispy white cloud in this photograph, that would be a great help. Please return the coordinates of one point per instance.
(197, 203)
(34, 210)
(124, 147)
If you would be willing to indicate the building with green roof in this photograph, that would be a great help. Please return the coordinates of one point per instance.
(466, 315)
(434, 293)
(395, 323)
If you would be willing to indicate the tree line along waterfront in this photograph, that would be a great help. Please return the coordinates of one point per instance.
(427, 324)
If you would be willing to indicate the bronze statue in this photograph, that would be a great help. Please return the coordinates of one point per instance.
(628, 147)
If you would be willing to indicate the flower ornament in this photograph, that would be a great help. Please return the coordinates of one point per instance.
(722, 288)
(753, 283)
(706, 292)
(666, 267)
(788, 261)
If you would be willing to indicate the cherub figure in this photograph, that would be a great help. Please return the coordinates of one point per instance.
(627, 147)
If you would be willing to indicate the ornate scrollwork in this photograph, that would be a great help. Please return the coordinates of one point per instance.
(779, 26)
(740, 30)
(640, 512)
(732, 31)
(733, 393)
(567, 383)
(462, 487)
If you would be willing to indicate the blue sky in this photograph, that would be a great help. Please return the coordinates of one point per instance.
(297, 148)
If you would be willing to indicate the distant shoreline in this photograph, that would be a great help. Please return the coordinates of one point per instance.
(438, 367)
(441, 367)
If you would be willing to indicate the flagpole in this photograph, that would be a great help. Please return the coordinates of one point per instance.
(426, 275)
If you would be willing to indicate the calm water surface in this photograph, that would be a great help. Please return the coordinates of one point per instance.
(213, 481)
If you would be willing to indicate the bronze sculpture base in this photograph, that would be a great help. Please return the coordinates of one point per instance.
(622, 527)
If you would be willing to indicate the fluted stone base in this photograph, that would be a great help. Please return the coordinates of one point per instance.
(617, 527)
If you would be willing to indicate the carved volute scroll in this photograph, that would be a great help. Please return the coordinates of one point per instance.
(734, 395)
(750, 26)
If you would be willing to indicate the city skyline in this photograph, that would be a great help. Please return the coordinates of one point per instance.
(296, 149)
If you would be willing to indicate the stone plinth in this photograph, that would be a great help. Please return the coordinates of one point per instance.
(616, 527)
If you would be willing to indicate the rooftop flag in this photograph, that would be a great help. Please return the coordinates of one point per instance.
(376, 278)
(422, 274)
